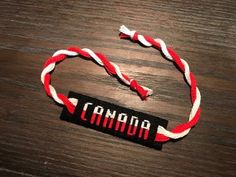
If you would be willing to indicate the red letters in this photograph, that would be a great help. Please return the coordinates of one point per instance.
(84, 110)
(133, 126)
(109, 117)
(121, 121)
(144, 130)
(97, 114)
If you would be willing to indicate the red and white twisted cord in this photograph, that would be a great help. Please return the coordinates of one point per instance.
(183, 129)
(113, 69)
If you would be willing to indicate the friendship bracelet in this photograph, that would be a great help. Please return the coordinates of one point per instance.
(162, 134)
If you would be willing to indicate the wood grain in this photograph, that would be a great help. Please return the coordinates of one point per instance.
(34, 142)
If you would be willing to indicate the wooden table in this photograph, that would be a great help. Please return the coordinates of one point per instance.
(35, 142)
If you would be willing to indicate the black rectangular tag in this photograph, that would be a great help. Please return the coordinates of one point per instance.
(115, 120)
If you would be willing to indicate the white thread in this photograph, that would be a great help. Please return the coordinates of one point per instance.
(144, 41)
(74, 101)
(118, 72)
(54, 95)
(164, 48)
(65, 52)
(186, 71)
(46, 70)
(93, 55)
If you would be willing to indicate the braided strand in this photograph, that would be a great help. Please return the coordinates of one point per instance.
(183, 129)
(111, 68)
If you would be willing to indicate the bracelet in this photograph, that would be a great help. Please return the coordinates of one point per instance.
(114, 70)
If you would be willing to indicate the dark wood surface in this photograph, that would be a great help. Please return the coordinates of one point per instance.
(35, 142)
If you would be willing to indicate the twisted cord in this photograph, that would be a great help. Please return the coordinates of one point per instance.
(183, 129)
(111, 68)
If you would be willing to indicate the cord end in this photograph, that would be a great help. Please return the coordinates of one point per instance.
(125, 30)
(143, 92)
